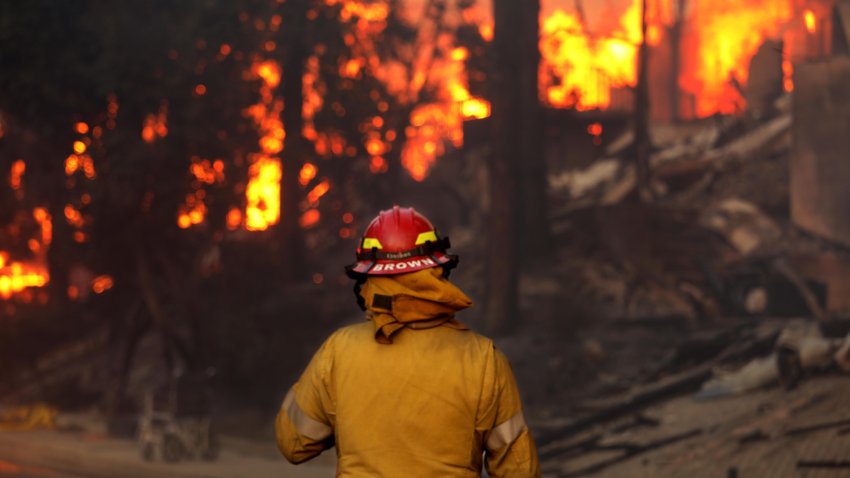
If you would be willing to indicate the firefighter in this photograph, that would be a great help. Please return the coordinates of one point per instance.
(412, 391)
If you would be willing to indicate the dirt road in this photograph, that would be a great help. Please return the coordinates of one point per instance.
(51, 454)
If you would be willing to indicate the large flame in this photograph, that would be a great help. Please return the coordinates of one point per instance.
(17, 276)
(263, 194)
(579, 68)
(434, 125)
(439, 68)
(728, 34)
(582, 66)
(263, 191)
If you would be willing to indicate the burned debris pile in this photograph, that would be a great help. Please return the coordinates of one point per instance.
(735, 262)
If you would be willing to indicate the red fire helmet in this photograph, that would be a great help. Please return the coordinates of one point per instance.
(398, 241)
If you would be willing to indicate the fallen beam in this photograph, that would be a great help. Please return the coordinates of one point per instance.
(677, 385)
(817, 427)
(823, 464)
(630, 451)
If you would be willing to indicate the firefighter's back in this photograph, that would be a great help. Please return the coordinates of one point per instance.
(409, 408)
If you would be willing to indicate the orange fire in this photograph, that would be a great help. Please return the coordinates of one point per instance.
(433, 125)
(308, 172)
(310, 218)
(811, 21)
(102, 284)
(156, 126)
(263, 191)
(728, 35)
(263, 194)
(74, 217)
(439, 68)
(582, 67)
(17, 276)
(317, 192)
(193, 211)
(234, 219)
(80, 160)
(84, 163)
(19, 167)
(579, 69)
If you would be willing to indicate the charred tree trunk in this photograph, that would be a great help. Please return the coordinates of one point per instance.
(57, 257)
(535, 237)
(60, 250)
(295, 145)
(130, 332)
(643, 143)
(502, 278)
(676, 59)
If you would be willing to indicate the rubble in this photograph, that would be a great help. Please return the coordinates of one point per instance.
(754, 375)
(718, 248)
(842, 356)
(742, 223)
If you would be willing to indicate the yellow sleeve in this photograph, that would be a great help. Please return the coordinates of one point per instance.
(509, 447)
(304, 425)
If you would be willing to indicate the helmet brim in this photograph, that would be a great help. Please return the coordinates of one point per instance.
(389, 267)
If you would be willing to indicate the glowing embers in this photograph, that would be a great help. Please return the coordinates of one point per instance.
(268, 71)
(308, 172)
(80, 163)
(17, 276)
(16, 175)
(83, 163)
(156, 126)
(377, 143)
(317, 192)
(193, 211)
(310, 218)
(363, 11)
(74, 216)
(595, 130)
(80, 160)
(102, 284)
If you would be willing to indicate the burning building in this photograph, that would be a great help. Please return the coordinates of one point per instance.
(701, 52)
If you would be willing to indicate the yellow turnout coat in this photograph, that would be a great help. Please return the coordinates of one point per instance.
(411, 393)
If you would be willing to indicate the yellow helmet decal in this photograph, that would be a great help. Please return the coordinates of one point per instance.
(425, 237)
(371, 243)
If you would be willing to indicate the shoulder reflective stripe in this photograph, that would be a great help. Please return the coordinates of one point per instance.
(310, 428)
(371, 242)
(425, 237)
(505, 433)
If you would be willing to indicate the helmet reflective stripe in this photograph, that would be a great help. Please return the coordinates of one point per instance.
(425, 237)
(371, 243)
(400, 266)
